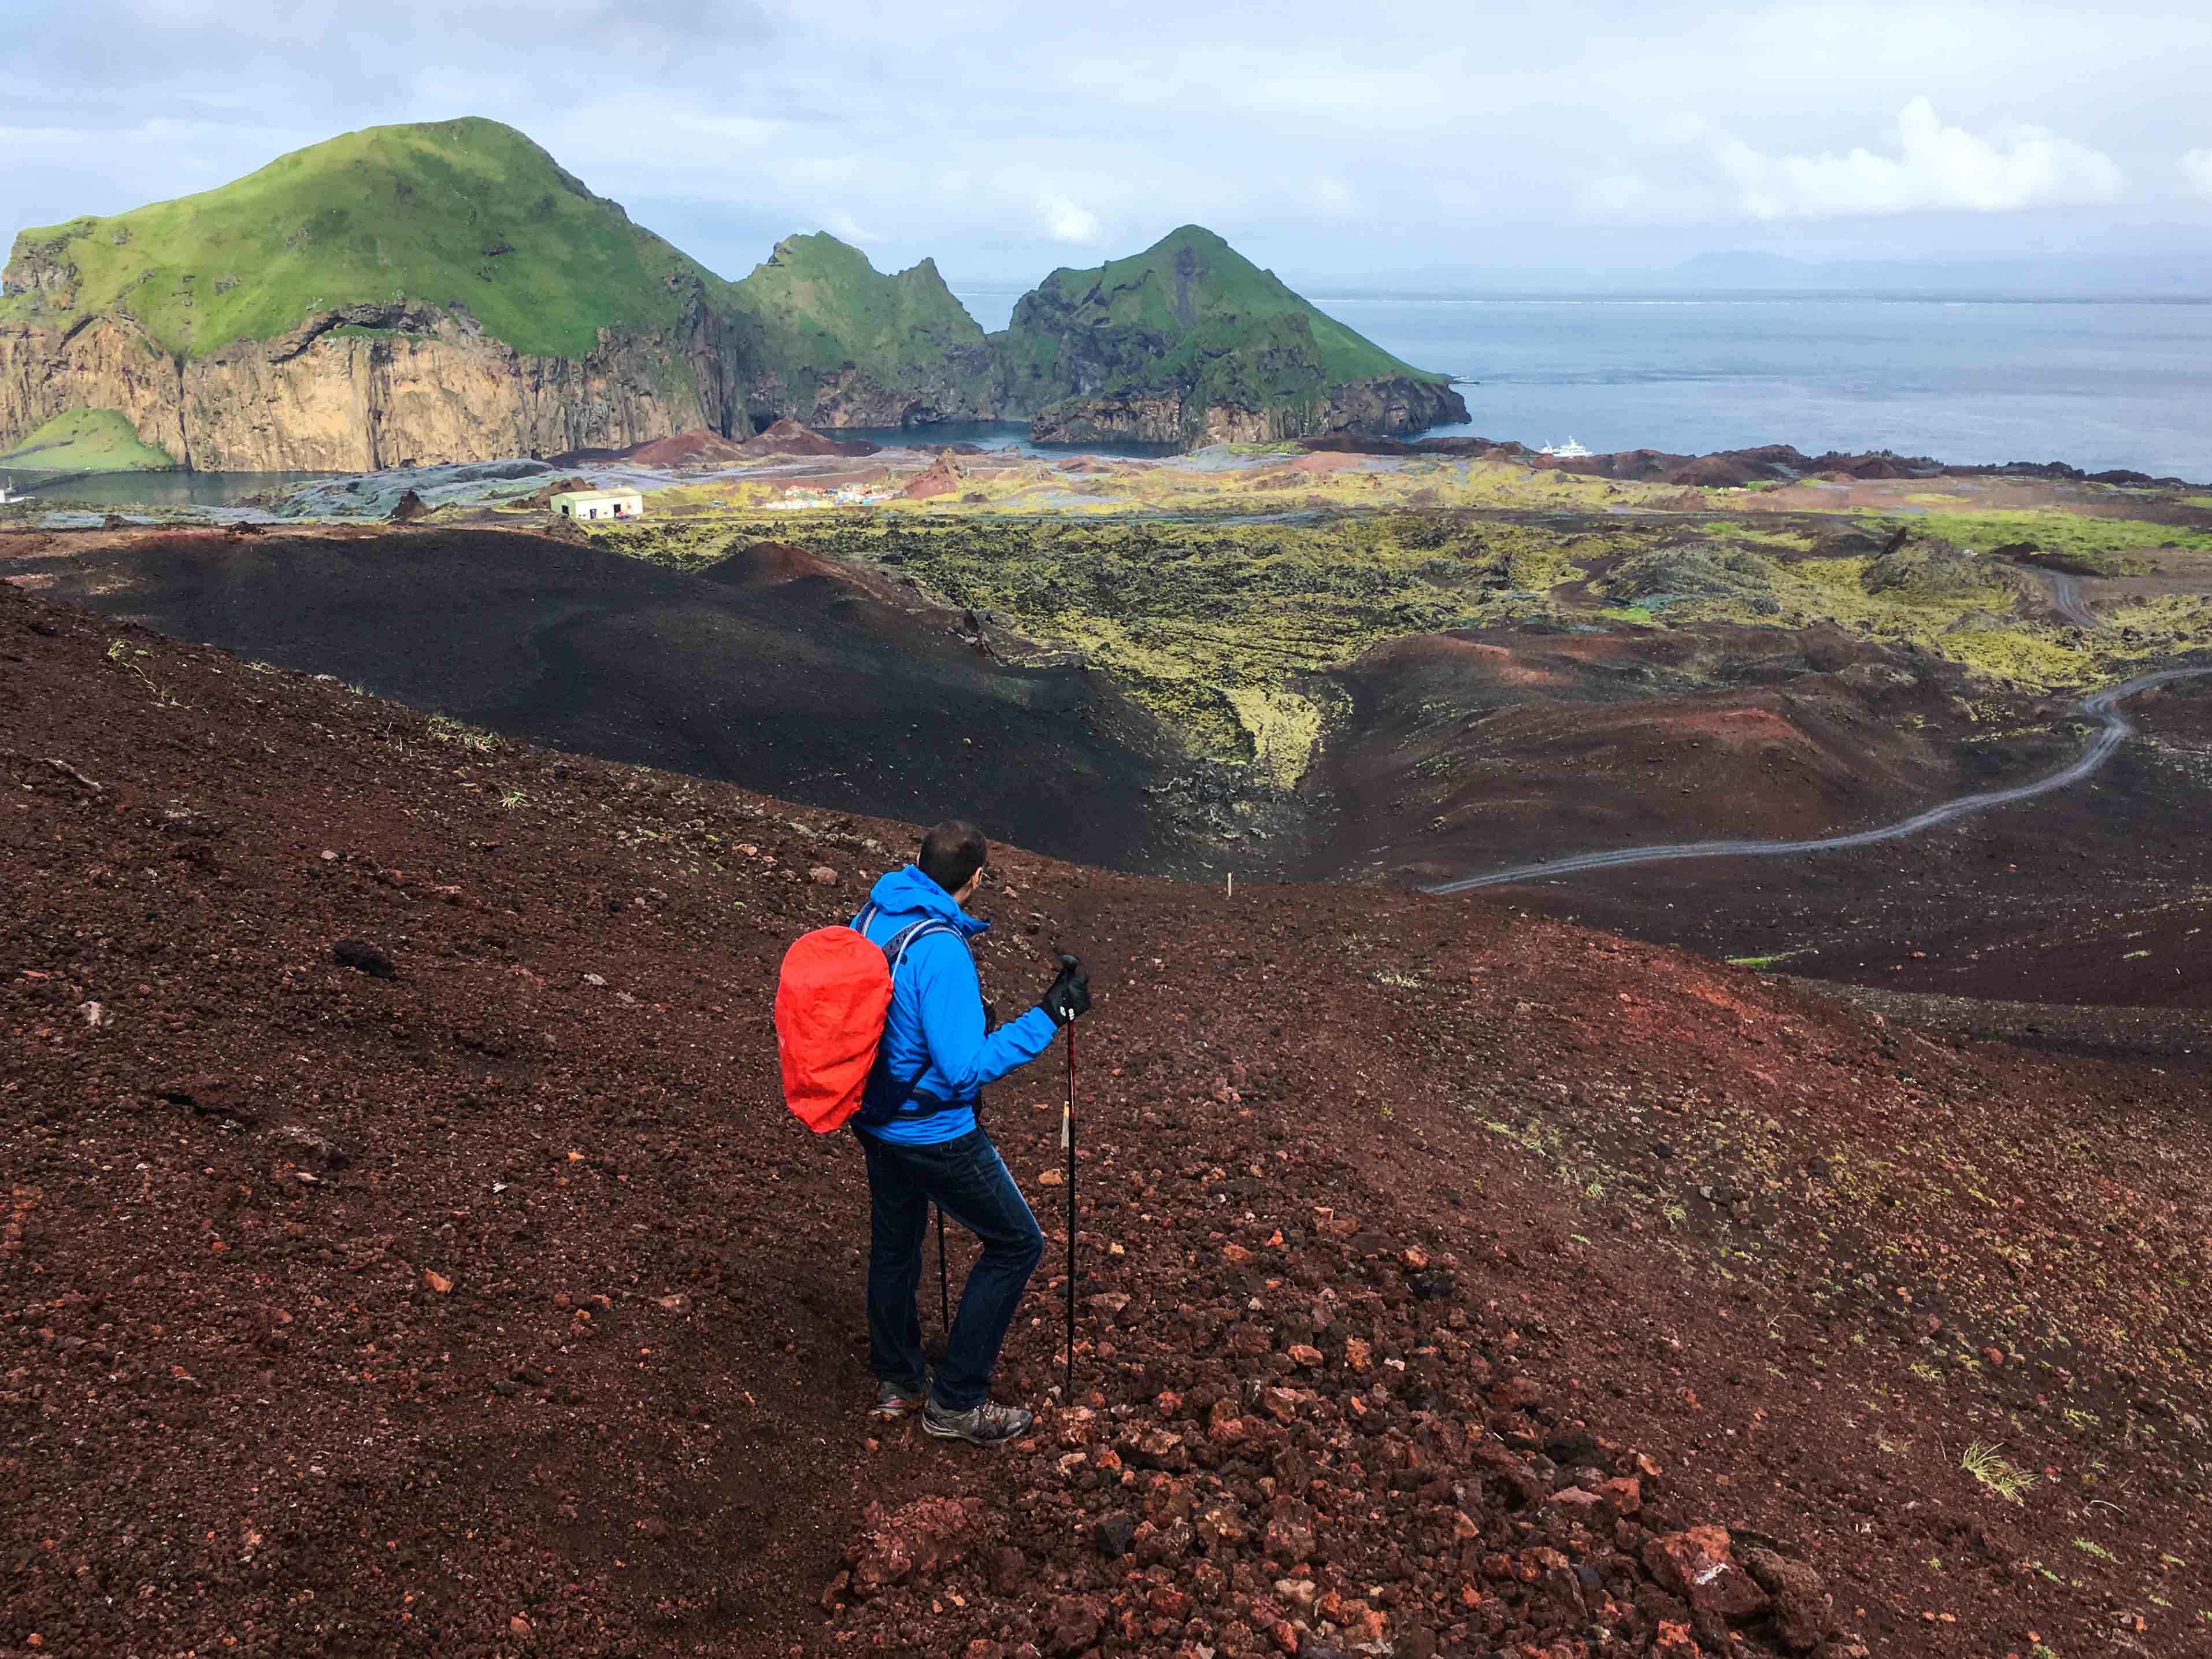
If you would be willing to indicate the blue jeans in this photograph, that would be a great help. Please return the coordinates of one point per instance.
(967, 1179)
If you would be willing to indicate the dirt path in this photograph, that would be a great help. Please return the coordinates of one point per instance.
(2114, 728)
(2066, 597)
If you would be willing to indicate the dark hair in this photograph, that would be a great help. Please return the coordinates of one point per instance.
(951, 852)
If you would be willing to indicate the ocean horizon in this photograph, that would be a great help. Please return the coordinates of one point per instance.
(2097, 382)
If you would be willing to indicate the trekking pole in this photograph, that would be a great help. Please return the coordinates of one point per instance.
(1067, 1140)
(944, 1279)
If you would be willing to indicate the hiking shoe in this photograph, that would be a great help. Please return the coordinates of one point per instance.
(894, 1402)
(988, 1424)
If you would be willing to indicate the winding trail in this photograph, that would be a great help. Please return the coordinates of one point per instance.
(2113, 729)
(2066, 599)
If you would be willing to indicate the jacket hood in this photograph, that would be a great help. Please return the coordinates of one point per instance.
(906, 891)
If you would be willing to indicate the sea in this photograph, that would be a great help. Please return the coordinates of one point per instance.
(2098, 384)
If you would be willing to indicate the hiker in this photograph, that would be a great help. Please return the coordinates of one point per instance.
(917, 1128)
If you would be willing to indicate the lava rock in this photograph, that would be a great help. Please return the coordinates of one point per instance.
(310, 1147)
(364, 957)
(1112, 1534)
(914, 1538)
(1803, 1611)
(1695, 1565)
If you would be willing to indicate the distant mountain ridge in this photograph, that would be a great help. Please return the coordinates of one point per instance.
(447, 291)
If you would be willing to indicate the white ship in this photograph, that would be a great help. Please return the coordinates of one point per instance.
(1568, 450)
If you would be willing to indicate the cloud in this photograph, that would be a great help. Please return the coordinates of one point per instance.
(1935, 167)
(1457, 143)
(1064, 221)
(2197, 173)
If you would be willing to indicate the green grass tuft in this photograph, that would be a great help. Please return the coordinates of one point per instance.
(2007, 1480)
(474, 738)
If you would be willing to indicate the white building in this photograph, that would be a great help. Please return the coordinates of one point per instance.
(600, 504)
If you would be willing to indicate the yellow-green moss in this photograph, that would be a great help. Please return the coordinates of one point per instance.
(1218, 627)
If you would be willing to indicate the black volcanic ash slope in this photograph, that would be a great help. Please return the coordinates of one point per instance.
(794, 683)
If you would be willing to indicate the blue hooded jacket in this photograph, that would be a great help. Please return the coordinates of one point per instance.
(937, 1017)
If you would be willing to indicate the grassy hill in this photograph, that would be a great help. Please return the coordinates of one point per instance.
(440, 211)
(1189, 313)
(87, 440)
(817, 305)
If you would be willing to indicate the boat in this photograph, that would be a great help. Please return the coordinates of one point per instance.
(1568, 450)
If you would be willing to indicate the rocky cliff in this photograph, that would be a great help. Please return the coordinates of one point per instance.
(1190, 343)
(369, 387)
(1174, 417)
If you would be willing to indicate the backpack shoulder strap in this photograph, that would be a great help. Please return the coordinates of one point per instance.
(896, 947)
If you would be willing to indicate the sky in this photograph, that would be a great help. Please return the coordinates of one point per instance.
(1412, 146)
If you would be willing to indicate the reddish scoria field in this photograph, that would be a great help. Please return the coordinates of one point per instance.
(1451, 1282)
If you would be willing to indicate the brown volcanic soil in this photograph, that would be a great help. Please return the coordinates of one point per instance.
(701, 446)
(1480, 749)
(2137, 836)
(496, 1306)
(698, 447)
(788, 437)
(2037, 902)
(813, 683)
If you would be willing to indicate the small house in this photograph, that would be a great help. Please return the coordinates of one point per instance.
(600, 504)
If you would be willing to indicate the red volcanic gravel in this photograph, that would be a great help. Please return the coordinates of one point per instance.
(405, 1249)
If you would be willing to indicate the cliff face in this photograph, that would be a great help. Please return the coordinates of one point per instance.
(369, 387)
(103, 362)
(851, 395)
(1383, 406)
(1190, 343)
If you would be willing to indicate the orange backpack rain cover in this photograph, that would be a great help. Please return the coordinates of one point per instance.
(831, 999)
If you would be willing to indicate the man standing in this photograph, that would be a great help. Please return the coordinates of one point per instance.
(917, 1126)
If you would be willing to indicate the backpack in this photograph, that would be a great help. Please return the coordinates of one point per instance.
(830, 998)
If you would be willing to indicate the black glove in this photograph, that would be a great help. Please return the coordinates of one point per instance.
(1069, 995)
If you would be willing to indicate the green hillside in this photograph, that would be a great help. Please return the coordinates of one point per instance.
(88, 440)
(818, 305)
(1189, 313)
(468, 210)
